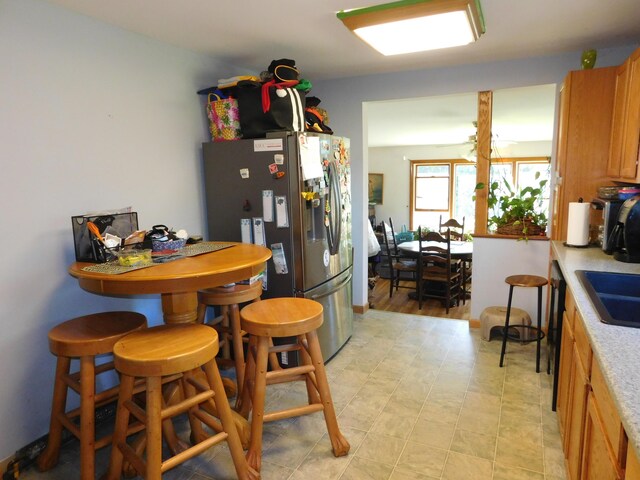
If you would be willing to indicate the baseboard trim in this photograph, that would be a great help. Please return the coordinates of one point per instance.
(360, 309)
(473, 323)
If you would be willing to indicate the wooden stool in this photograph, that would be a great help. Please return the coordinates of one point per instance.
(526, 281)
(83, 338)
(164, 351)
(285, 317)
(229, 331)
(494, 316)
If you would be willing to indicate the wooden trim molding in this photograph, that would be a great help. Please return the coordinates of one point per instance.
(360, 308)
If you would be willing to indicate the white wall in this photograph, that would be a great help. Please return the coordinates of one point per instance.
(345, 100)
(494, 259)
(394, 163)
(91, 117)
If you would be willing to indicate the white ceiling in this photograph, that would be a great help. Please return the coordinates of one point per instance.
(251, 33)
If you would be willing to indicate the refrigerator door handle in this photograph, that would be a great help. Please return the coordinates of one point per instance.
(335, 225)
(333, 290)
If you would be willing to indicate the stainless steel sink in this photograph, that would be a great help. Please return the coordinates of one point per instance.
(615, 296)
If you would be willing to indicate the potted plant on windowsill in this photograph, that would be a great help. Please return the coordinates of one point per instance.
(516, 212)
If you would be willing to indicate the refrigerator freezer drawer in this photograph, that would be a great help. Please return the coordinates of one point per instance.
(336, 299)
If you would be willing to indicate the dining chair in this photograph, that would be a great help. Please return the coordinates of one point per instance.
(397, 263)
(438, 275)
(456, 230)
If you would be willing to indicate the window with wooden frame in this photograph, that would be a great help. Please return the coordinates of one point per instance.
(446, 187)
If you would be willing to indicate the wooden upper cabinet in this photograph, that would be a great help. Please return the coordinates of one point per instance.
(618, 122)
(584, 135)
(625, 134)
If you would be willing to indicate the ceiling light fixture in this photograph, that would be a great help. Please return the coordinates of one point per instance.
(408, 26)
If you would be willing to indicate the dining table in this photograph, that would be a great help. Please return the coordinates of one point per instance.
(177, 282)
(459, 250)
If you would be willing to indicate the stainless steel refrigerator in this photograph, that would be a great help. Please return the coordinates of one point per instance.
(291, 193)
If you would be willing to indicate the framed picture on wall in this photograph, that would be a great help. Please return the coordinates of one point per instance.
(376, 183)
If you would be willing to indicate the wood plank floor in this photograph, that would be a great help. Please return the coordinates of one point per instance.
(401, 303)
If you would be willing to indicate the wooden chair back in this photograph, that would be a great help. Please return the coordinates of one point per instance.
(397, 262)
(435, 265)
(454, 228)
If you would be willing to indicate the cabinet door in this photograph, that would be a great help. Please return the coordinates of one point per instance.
(577, 412)
(619, 116)
(597, 457)
(629, 162)
(564, 378)
(584, 136)
(633, 465)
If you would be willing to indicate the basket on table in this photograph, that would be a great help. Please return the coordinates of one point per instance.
(159, 245)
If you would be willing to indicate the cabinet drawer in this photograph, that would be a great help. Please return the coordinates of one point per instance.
(582, 344)
(609, 413)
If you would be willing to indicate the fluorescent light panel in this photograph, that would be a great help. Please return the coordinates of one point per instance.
(411, 26)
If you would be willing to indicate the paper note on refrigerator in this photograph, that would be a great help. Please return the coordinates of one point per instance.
(282, 218)
(279, 260)
(245, 230)
(267, 205)
(258, 232)
(310, 160)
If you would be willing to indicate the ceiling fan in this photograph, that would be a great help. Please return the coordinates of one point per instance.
(472, 154)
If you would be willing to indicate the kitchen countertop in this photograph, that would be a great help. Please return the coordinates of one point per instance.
(617, 349)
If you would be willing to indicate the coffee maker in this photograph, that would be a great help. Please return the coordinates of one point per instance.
(624, 241)
(610, 209)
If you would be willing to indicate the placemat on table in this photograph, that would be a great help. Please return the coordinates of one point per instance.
(114, 268)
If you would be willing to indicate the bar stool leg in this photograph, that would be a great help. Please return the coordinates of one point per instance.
(338, 442)
(243, 470)
(505, 332)
(154, 428)
(120, 429)
(238, 346)
(243, 404)
(312, 391)
(538, 333)
(87, 418)
(254, 455)
(49, 457)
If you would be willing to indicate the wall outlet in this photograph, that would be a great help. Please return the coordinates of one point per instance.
(284, 357)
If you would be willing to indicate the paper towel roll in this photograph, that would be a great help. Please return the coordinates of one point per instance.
(578, 224)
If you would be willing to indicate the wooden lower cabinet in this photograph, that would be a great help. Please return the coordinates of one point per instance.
(598, 461)
(633, 465)
(565, 372)
(575, 420)
(593, 438)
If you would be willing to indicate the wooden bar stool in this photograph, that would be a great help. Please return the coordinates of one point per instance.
(154, 354)
(228, 323)
(285, 317)
(83, 338)
(526, 281)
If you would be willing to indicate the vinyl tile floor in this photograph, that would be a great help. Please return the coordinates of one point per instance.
(417, 397)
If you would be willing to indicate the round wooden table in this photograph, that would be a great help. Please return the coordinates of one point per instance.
(179, 281)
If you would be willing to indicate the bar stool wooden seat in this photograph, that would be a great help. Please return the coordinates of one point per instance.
(526, 281)
(167, 351)
(229, 331)
(285, 317)
(83, 338)
(227, 324)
